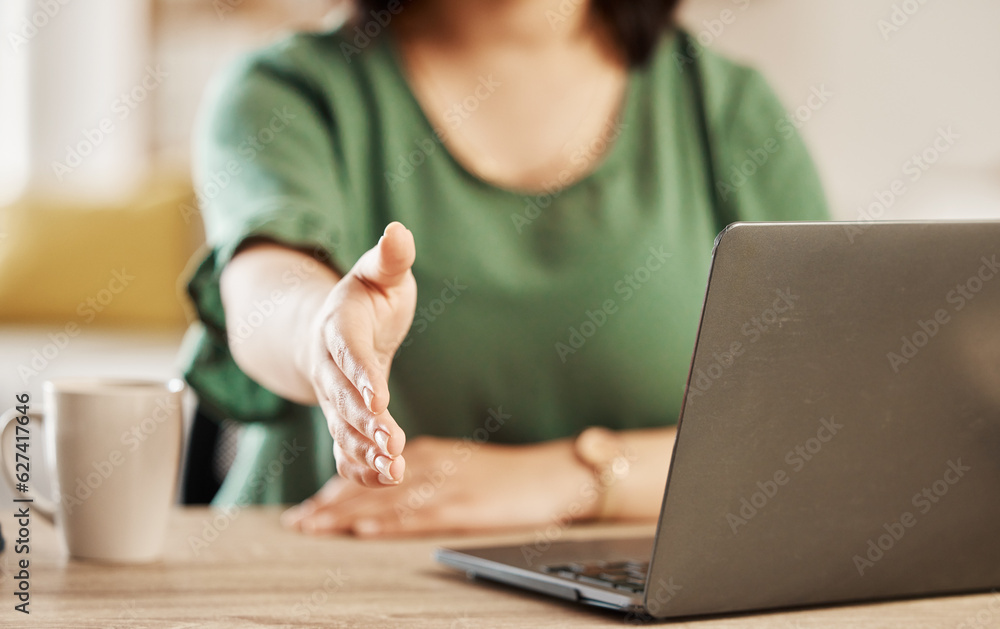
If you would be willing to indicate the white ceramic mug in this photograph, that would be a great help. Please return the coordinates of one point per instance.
(114, 450)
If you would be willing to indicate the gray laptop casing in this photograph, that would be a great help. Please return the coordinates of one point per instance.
(839, 439)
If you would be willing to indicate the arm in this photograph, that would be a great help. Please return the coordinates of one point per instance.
(295, 286)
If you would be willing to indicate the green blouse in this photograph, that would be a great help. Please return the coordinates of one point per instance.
(537, 314)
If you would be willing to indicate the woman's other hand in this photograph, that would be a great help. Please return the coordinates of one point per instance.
(459, 486)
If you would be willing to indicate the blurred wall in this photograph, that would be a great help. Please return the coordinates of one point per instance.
(97, 100)
(197, 38)
(77, 82)
(898, 71)
(900, 74)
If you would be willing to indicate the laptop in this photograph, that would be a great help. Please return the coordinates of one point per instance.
(848, 450)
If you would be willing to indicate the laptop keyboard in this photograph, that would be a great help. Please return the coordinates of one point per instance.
(629, 576)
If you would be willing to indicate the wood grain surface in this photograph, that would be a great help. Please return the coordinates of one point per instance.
(241, 569)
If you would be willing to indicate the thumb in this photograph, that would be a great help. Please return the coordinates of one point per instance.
(386, 264)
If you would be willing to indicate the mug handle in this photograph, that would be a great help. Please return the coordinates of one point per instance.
(45, 507)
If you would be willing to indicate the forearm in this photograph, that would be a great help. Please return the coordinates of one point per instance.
(271, 294)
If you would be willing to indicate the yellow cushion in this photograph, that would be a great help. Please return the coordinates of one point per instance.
(99, 265)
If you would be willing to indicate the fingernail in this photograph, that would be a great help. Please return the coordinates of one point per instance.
(382, 464)
(382, 439)
(367, 526)
(385, 480)
(368, 396)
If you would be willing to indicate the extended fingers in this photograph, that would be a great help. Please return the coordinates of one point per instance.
(358, 460)
(351, 346)
(342, 403)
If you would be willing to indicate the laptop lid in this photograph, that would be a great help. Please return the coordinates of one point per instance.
(840, 436)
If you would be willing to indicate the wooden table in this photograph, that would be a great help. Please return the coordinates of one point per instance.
(242, 570)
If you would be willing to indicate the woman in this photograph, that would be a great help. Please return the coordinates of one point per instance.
(551, 178)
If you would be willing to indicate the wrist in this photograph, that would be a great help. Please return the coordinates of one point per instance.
(608, 457)
(640, 496)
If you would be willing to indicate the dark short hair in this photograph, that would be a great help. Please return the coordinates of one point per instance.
(636, 24)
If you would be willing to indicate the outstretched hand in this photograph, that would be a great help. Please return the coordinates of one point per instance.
(356, 332)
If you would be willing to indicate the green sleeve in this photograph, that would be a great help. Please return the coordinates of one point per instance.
(763, 169)
(264, 159)
(264, 167)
